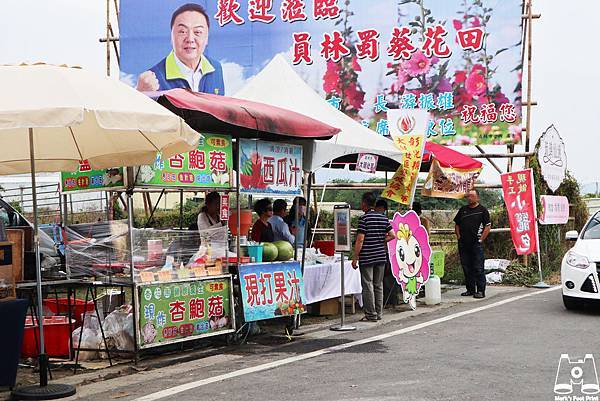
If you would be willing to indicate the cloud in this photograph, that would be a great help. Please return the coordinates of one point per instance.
(129, 79)
(233, 76)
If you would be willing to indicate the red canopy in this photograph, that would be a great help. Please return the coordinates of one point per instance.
(241, 118)
(451, 158)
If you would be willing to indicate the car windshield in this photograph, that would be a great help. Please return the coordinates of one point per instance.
(592, 228)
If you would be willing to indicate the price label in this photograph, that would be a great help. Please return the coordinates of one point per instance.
(183, 273)
(164, 275)
(147, 277)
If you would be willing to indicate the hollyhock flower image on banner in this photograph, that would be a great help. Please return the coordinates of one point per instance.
(409, 254)
(460, 60)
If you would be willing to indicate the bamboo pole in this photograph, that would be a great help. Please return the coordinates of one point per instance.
(108, 35)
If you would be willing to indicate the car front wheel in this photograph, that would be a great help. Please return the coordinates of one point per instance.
(572, 303)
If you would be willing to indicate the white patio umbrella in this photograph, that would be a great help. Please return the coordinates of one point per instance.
(51, 117)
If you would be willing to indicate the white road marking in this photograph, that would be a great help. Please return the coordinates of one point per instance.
(286, 361)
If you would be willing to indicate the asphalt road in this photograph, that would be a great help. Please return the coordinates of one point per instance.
(507, 351)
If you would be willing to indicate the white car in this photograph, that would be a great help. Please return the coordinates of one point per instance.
(580, 270)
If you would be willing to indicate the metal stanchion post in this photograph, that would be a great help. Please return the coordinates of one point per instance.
(342, 326)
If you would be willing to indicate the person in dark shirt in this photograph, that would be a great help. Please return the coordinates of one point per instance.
(370, 252)
(472, 226)
(262, 231)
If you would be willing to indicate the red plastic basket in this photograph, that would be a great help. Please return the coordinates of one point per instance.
(60, 306)
(326, 247)
(56, 337)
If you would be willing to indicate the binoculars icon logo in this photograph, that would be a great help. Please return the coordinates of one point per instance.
(581, 372)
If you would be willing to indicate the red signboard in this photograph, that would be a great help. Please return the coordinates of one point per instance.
(519, 198)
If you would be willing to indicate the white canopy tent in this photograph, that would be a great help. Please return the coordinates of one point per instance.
(279, 85)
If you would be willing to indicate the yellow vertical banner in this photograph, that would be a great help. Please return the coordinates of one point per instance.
(401, 187)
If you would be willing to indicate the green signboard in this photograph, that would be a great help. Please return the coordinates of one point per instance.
(87, 179)
(183, 310)
(209, 166)
(437, 263)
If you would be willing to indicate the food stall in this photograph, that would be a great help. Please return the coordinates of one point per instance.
(183, 283)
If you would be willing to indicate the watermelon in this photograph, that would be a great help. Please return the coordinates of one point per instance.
(285, 250)
(270, 252)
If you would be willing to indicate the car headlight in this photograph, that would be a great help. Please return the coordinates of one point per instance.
(576, 260)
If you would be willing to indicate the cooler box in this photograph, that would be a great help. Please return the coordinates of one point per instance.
(56, 337)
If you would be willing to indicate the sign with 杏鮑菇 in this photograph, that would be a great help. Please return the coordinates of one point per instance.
(187, 309)
(209, 166)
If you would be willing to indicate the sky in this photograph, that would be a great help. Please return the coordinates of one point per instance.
(563, 83)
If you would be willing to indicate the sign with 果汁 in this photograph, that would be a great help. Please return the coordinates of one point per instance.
(517, 188)
(86, 179)
(271, 168)
(271, 290)
(448, 182)
(367, 163)
(183, 310)
(208, 166)
(552, 158)
(555, 209)
(458, 60)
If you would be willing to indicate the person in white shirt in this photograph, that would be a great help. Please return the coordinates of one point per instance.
(209, 214)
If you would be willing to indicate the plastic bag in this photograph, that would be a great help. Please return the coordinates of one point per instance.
(118, 329)
(90, 339)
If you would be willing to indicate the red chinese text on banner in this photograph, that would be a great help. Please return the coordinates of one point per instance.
(519, 197)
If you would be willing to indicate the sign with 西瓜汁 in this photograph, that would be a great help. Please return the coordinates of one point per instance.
(86, 179)
(460, 60)
(367, 163)
(208, 166)
(448, 182)
(552, 158)
(183, 310)
(401, 187)
(519, 198)
(555, 209)
(271, 168)
(271, 290)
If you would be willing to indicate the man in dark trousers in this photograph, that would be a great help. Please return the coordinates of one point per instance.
(373, 233)
(472, 226)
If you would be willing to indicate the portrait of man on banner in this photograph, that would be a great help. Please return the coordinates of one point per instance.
(186, 66)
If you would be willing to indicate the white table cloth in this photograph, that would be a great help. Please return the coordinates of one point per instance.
(323, 281)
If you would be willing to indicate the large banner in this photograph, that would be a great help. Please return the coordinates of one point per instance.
(271, 290)
(460, 60)
(519, 197)
(208, 166)
(271, 168)
(448, 182)
(187, 309)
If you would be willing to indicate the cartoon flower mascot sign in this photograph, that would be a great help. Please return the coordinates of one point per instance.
(409, 255)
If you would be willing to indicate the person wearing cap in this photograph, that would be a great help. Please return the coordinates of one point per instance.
(186, 66)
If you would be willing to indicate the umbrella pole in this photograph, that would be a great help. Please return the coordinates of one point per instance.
(44, 391)
(43, 358)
